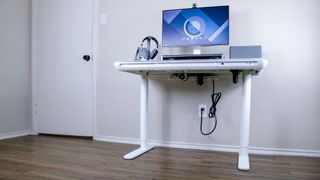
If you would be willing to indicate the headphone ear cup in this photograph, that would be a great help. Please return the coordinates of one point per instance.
(153, 54)
(144, 53)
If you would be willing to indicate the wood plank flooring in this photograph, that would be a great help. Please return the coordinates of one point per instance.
(50, 157)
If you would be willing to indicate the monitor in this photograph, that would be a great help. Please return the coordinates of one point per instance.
(204, 26)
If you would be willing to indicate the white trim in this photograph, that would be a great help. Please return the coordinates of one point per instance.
(95, 57)
(284, 152)
(213, 147)
(14, 134)
(34, 68)
(116, 139)
(95, 43)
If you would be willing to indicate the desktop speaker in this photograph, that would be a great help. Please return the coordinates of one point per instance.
(245, 52)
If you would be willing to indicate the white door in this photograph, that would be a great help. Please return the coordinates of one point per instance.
(64, 78)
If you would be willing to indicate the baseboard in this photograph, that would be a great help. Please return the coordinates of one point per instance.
(214, 147)
(284, 152)
(14, 134)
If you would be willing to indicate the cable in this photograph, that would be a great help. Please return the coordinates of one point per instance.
(183, 76)
(215, 97)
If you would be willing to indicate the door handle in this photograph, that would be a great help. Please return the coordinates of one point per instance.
(86, 57)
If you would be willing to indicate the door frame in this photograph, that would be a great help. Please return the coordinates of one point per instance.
(34, 74)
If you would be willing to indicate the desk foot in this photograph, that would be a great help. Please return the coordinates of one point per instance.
(137, 152)
(243, 163)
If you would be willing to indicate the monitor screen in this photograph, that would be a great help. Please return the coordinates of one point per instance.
(196, 26)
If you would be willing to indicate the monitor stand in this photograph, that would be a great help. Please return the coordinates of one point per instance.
(196, 50)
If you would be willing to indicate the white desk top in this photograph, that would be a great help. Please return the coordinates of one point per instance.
(191, 66)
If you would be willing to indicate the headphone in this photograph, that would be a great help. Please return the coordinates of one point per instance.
(145, 52)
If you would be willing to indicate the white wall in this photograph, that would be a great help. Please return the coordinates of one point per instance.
(15, 92)
(285, 98)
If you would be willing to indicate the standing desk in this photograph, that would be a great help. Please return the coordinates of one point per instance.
(248, 67)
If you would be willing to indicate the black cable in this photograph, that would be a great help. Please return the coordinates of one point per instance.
(215, 97)
(183, 76)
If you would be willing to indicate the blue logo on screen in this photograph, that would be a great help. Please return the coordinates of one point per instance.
(199, 26)
(194, 26)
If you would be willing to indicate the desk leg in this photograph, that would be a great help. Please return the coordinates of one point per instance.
(144, 147)
(243, 161)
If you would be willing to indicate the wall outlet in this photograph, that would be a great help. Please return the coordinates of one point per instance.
(103, 19)
(205, 112)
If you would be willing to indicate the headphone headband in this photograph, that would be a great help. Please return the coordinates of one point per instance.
(151, 38)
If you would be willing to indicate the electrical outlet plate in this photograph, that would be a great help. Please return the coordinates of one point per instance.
(103, 19)
(205, 112)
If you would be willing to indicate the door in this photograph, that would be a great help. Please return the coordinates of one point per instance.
(64, 67)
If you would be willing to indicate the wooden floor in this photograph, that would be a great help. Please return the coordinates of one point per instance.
(50, 157)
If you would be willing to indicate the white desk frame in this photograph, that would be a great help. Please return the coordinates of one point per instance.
(145, 67)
